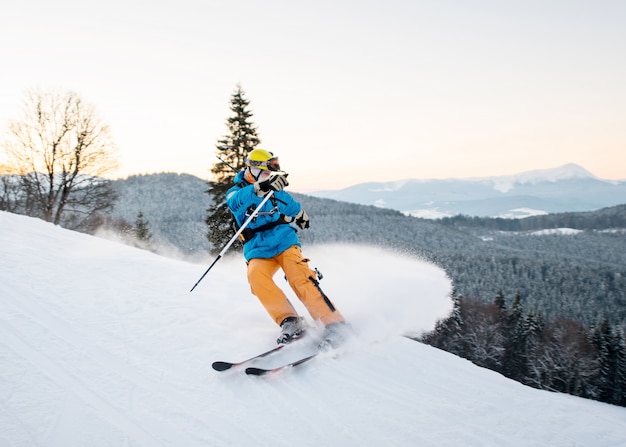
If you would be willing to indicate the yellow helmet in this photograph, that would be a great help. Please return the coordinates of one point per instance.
(262, 159)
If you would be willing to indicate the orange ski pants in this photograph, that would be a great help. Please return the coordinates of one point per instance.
(302, 281)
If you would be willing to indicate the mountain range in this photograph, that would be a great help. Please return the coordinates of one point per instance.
(567, 188)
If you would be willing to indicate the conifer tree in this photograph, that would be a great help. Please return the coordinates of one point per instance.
(447, 334)
(142, 230)
(232, 151)
(612, 353)
(499, 300)
(515, 355)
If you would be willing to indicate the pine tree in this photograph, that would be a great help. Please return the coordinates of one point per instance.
(447, 334)
(499, 300)
(232, 151)
(142, 228)
(532, 327)
(515, 361)
(141, 231)
(620, 349)
(612, 352)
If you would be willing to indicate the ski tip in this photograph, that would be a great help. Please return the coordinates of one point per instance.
(222, 366)
(252, 371)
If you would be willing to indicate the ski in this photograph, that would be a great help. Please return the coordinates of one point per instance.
(223, 366)
(252, 371)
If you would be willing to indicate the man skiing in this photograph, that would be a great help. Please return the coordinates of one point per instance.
(270, 243)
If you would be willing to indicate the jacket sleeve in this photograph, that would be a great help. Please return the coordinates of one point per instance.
(290, 206)
(239, 199)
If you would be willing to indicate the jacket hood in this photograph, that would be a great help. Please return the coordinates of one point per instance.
(240, 177)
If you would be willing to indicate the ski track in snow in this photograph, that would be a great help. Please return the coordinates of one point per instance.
(103, 345)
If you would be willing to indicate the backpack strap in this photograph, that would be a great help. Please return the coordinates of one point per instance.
(248, 233)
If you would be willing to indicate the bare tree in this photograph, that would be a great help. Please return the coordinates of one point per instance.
(483, 334)
(9, 193)
(566, 360)
(61, 151)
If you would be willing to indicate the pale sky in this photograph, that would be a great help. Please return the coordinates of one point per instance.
(344, 91)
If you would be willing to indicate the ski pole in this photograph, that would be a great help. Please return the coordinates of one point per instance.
(245, 224)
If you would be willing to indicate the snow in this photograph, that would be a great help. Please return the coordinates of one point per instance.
(557, 231)
(520, 213)
(427, 214)
(565, 172)
(103, 345)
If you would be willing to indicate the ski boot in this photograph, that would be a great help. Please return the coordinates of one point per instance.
(334, 335)
(291, 328)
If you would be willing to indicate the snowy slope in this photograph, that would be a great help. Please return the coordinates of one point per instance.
(103, 345)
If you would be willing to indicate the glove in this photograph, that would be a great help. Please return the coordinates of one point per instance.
(302, 220)
(276, 182)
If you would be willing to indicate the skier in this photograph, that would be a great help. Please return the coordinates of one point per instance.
(270, 243)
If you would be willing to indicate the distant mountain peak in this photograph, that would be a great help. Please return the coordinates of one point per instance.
(565, 172)
(567, 188)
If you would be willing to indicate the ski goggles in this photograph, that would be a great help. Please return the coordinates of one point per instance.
(271, 164)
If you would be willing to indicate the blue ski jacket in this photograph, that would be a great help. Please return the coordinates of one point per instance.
(242, 201)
